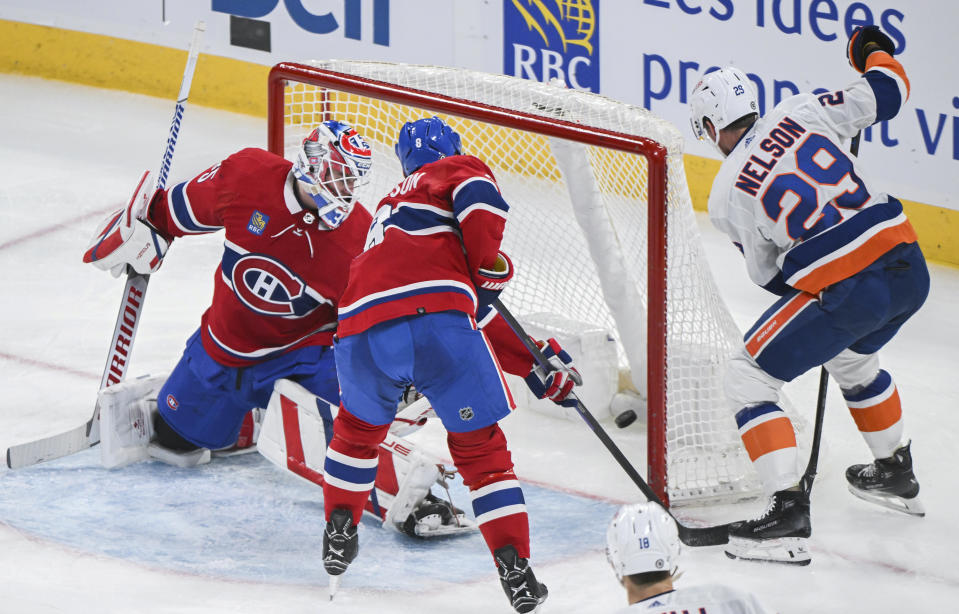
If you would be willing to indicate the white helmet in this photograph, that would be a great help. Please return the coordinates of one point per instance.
(642, 537)
(723, 96)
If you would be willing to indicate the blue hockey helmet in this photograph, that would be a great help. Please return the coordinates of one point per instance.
(333, 161)
(425, 140)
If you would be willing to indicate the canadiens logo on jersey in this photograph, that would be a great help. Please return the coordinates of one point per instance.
(257, 223)
(267, 286)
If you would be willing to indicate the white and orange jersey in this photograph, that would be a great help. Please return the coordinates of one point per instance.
(711, 598)
(796, 203)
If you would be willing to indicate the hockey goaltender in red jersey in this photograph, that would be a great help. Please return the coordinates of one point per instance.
(841, 253)
(432, 263)
(291, 230)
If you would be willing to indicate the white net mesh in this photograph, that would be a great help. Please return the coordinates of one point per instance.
(586, 262)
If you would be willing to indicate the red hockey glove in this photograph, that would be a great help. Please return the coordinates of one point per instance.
(490, 282)
(559, 382)
(866, 40)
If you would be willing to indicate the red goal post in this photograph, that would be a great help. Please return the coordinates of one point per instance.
(618, 267)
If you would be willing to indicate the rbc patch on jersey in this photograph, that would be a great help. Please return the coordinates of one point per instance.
(257, 223)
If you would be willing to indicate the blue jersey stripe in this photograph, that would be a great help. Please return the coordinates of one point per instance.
(837, 237)
(343, 315)
(412, 219)
(498, 499)
(182, 212)
(886, 91)
(478, 192)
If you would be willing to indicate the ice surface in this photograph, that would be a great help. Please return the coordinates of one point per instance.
(239, 536)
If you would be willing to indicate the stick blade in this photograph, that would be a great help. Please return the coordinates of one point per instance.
(697, 537)
(48, 448)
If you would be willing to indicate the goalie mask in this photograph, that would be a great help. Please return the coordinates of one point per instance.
(424, 141)
(641, 538)
(722, 96)
(332, 162)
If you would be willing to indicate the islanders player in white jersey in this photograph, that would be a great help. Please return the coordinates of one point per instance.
(642, 546)
(291, 230)
(431, 266)
(841, 253)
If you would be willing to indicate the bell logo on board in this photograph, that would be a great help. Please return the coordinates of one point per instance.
(552, 39)
(353, 12)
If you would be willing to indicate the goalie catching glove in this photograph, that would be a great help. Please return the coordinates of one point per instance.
(562, 377)
(125, 239)
(864, 41)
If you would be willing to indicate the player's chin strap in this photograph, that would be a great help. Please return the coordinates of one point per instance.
(293, 436)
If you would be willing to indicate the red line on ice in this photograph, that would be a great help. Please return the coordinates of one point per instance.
(47, 365)
(54, 228)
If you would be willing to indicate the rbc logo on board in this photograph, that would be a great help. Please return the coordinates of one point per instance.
(547, 39)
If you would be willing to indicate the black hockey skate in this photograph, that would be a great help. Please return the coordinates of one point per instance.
(525, 593)
(888, 482)
(340, 545)
(780, 535)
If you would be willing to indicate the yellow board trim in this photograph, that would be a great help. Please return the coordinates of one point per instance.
(234, 85)
(142, 68)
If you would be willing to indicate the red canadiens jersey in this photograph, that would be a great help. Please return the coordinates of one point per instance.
(280, 281)
(429, 235)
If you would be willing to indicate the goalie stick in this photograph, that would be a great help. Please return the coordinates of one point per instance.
(124, 331)
(691, 536)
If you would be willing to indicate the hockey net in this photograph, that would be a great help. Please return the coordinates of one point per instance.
(601, 230)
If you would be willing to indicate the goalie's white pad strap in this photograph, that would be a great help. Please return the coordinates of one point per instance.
(126, 420)
(412, 417)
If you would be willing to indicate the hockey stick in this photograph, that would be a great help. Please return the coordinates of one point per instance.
(691, 536)
(810, 474)
(125, 330)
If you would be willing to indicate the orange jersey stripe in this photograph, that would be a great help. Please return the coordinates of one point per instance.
(769, 436)
(878, 417)
(848, 265)
(779, 319)
(881, 59)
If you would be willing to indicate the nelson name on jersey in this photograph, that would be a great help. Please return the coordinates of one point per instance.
(780, 138)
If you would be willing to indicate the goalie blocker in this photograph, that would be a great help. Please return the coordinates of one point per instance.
(294, 437)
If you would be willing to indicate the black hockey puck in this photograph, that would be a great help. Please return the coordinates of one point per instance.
(626, 418)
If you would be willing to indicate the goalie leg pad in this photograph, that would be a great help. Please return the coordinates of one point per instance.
(126, 420)
(294, 432)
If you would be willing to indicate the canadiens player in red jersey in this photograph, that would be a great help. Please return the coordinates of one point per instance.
(816, 230)
(430, 268)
